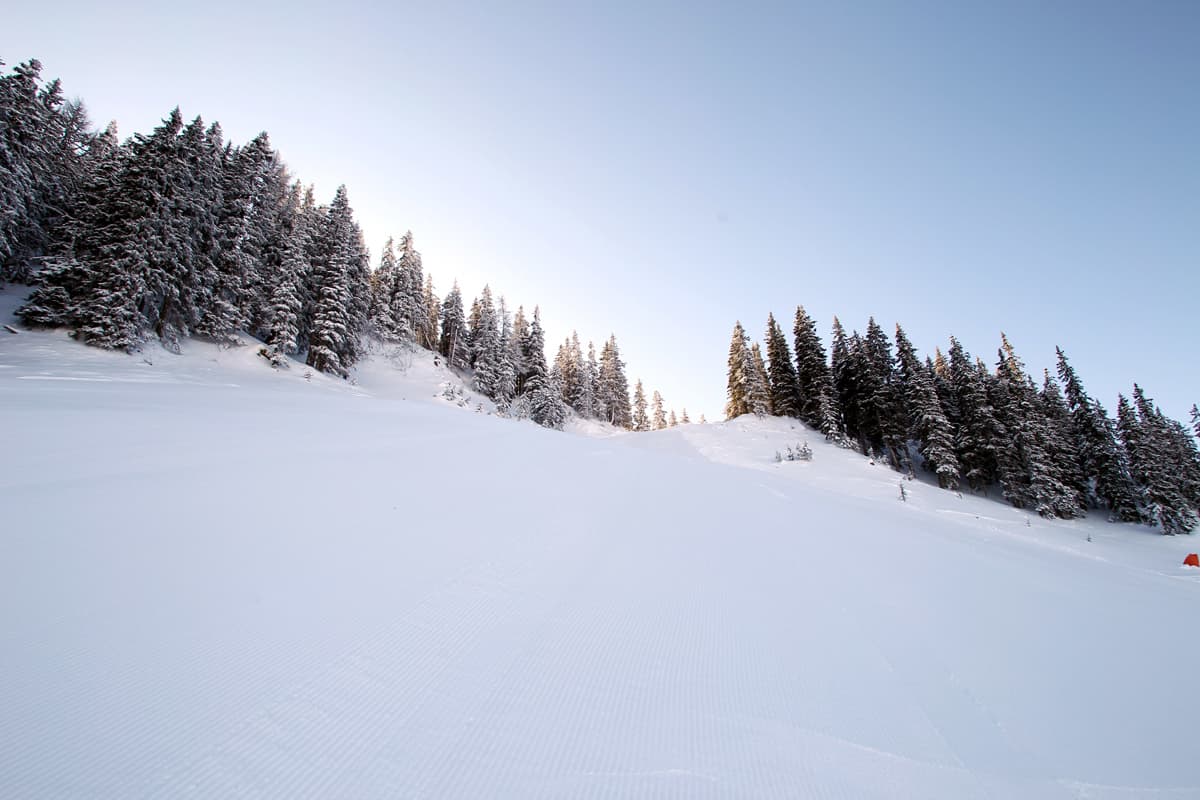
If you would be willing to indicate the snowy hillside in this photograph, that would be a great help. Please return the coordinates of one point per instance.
(219, 580)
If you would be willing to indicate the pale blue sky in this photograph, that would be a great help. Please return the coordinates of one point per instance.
(660, 170)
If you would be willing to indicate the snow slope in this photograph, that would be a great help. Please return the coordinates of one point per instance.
(218, 580)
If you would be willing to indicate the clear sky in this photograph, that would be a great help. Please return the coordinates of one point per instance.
(661, 170)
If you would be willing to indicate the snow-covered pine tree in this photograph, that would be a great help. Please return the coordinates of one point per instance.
(269, 221)
(518, 343)
(672, 420)
(1183, 457)
(1027, 469)
(1060, 438)
(43, 143)
(340, 279)
(82, 237)
(453, 324)
(739, 378)
(813, 377)
(660, 417)
(641, 422)
(683, 418)
(534, 347)
(485, 341)
(844, 369)
(980, 435)
(167, 256)
(284, 322)
(1103, 461)
(408, 293)
(613, 387)
(383, 280)
(429, 301)
(1147, 442)
(469, 332)
(580, 395)
(568, 364)
(927, 423)
(784, 386)
(248, 194)
(546, 407)
(131, 251)
(214, 206)
(882, 418)
(506, 377)
(594, 407)
(758, 392)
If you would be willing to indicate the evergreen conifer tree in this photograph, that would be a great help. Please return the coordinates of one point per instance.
(758, 393)
(594, 405)
(818, 402)
(518, 344)
(383, 281)
(784, 387)
(844, 378)
(485, 341)
(613, 389)
(927, 423)
(660, 417)
(641, 422)
(453, 324)
(432, 306)
(506, 379)
(340, 285)
(1146, 441)
(1102, 459)
(739, 377)
(980, 436)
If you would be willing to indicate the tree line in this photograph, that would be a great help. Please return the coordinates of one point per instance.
(179, 233)
(1049, 446)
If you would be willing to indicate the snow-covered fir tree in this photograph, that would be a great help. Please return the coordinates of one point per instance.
(927, 423)
(1164, 502)
(340, 288)
(758, 392)
(383, 281)
(1103, 462)
(545, 403)
(818, 401)
(1027, 471)
(660, 417)
(489, 355)
(641, 422)
(979, 437)
(454, 322)
(506, 376)
(613, 387)
(739, 377)
(784, 387)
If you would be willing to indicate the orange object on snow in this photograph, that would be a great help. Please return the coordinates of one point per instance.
(1192, 560)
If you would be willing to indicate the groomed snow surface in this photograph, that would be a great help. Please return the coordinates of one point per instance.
(218, 580)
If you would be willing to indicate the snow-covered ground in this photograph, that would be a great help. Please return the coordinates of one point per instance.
(218, 580)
